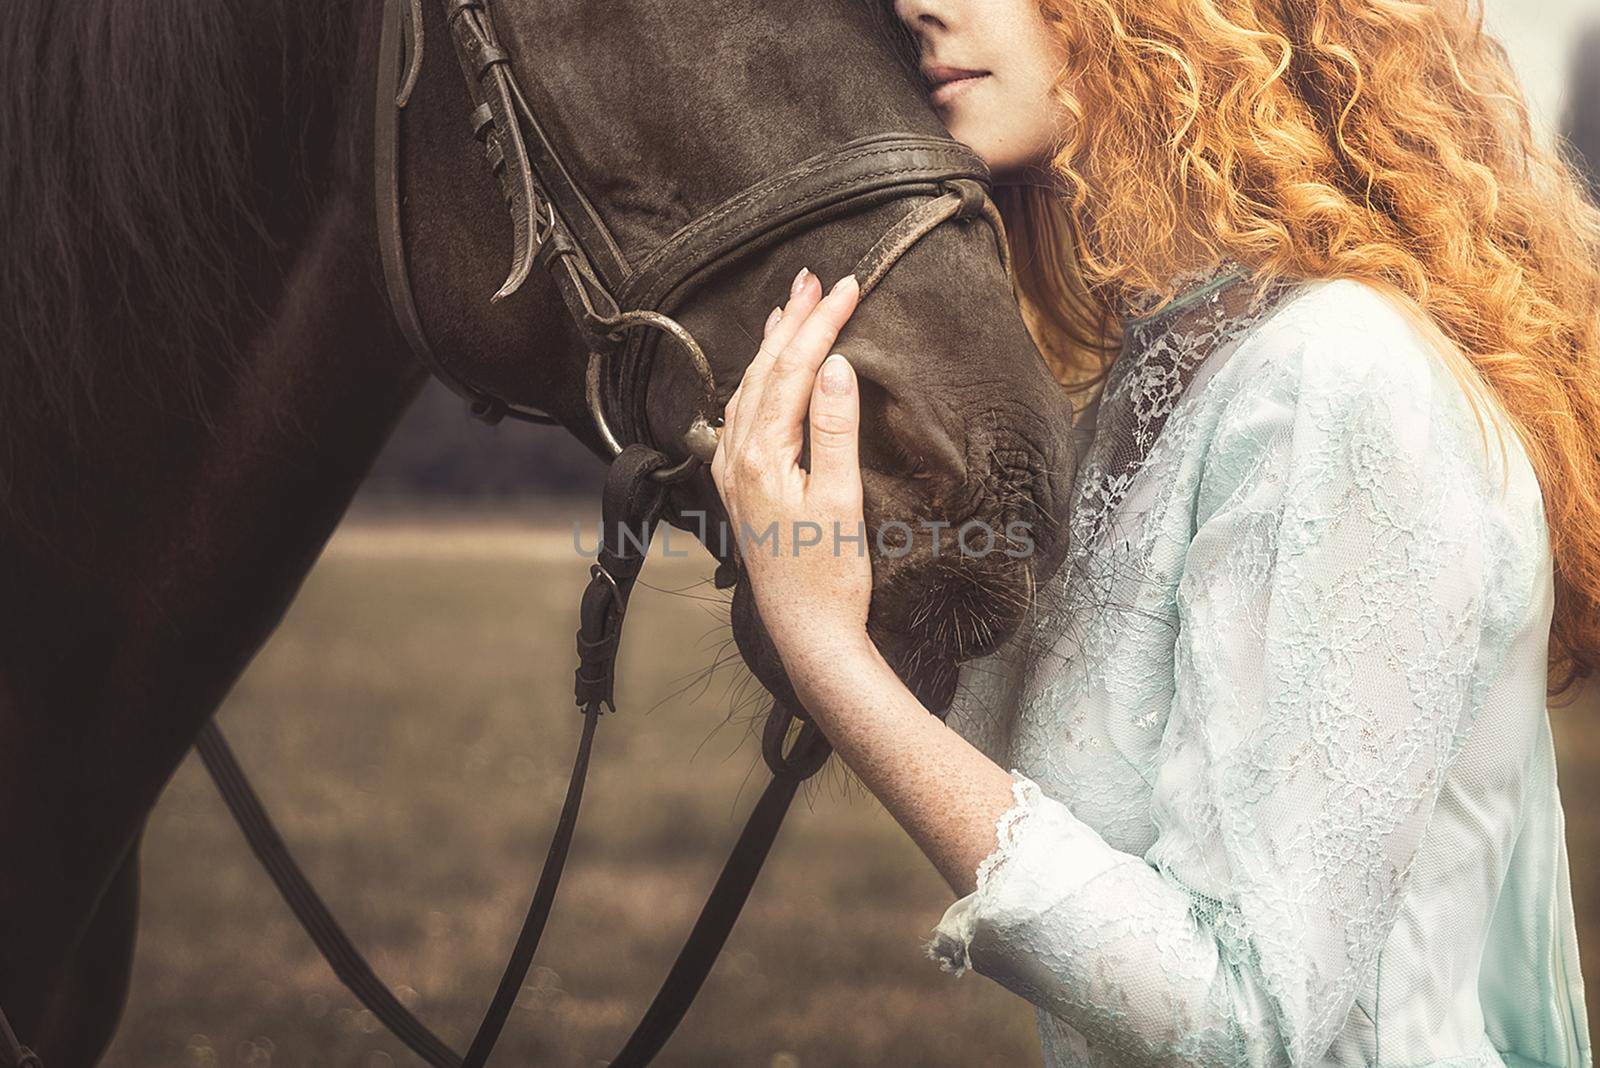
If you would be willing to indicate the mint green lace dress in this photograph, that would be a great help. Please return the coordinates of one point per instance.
(1284, 782)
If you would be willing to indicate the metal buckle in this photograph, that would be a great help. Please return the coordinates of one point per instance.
(598, 571)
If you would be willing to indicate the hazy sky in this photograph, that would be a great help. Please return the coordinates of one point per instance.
(1539, 34)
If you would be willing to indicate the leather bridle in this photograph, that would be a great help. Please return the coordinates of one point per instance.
(621, 309)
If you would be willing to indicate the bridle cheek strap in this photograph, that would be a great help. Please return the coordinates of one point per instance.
(966, 200)
(622, 309)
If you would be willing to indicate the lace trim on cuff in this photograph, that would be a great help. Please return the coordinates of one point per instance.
(951, 943)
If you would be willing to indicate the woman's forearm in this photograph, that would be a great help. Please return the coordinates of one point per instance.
(944, 791)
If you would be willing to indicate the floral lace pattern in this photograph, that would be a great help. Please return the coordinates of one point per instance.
(952, 953)
(1277, 732)
(1168, 348)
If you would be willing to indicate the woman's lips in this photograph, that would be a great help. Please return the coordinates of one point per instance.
(950, 82)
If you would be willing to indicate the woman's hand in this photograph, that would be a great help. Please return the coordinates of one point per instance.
(800, 534)
(813, 597)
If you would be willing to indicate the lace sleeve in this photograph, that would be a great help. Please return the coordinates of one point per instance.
(1350, 590)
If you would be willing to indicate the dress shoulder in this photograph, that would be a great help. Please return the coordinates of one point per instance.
(1344, 345)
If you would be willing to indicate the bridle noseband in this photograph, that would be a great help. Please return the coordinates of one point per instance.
(621, 310)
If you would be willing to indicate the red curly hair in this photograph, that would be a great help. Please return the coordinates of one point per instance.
(1381, 140)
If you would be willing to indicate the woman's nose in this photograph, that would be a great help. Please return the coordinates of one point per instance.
(922, 14)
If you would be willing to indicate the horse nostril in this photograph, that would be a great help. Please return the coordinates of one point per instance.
(895, 441)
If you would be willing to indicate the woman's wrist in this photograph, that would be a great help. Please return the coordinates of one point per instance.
(941, 788)
(837, 673)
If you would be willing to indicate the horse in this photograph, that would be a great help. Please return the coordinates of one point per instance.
(199, 360)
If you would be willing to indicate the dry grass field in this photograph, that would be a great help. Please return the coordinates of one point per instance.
(411, 727)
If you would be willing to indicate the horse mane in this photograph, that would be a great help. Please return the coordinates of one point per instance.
(132, 141)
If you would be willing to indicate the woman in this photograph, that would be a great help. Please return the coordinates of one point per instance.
(1269, 778)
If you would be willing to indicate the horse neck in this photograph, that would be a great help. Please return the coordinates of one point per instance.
(146, 554)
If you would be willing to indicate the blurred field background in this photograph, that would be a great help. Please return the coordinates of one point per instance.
(411, 728)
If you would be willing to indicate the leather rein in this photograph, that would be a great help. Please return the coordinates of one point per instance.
(622, 310)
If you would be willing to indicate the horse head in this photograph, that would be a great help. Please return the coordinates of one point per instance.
(665, 114)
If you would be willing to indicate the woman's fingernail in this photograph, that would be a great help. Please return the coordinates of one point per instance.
(798, 283)
(836, 375)
(772, 320)
(847, 282)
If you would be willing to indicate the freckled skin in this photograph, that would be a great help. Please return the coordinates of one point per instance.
(814, 601)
